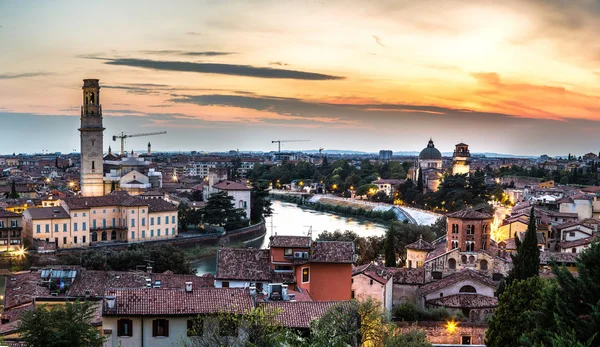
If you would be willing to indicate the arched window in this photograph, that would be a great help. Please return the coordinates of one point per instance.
(92, 98)
(104, 236)
(241, 204)
(94, 237)
(471, 259)
(463, 259)
(452, 264)
(470, 246)
(454, 244)
(113, 235)
(467, 289)
(483, 265)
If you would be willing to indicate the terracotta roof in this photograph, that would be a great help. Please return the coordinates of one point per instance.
(7, 214)
(563, 214)
(466, 274)
(390, 181)
(593, 189)
(409, 276)
(420, 245)
(82, 203)
(47, 212)
(290, 241)
(169, 302)
(24, 287)
(159, 205)
(575, 243)
(230, 185)
(465, 301)
(332, 252)
(298, 314)
(545, 257)
(469, 214)
(372, 271)
(243, 264)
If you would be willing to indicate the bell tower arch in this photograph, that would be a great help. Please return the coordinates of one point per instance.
(91, 136)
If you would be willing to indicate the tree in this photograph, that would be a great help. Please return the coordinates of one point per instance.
(366, 189)
(413, 338)
(60, 325)
(260, 205)
(197, 195)
(390, 249)
(220, 210)
(526, 263)
(113, 186)
(420, 180)
(13, 191)
(515, 317)
(183, 216)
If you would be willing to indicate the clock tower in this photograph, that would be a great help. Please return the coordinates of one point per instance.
(91, 134)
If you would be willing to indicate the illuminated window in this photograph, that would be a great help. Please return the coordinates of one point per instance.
(305, 275)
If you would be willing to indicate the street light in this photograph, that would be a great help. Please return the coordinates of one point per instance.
(451, 326)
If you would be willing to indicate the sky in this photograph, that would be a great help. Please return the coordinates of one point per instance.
(514, 76)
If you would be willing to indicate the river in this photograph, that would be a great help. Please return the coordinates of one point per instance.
(289, 219)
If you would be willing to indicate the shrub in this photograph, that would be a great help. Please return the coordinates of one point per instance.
(412, 313)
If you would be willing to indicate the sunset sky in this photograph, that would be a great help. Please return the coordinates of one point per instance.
(517, 77)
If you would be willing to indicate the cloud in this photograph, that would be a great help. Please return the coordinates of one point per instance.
(378, 41)
(193, 33)
(186, 53)
(9, 76)
(223, 69)
(279, 63)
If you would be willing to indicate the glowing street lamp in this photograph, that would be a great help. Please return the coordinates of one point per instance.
(451, 326)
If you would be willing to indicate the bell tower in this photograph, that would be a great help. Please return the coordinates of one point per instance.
(91, 134)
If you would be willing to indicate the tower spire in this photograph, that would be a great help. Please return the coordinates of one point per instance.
(91, 136)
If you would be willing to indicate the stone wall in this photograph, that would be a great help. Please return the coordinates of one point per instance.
(438, 334)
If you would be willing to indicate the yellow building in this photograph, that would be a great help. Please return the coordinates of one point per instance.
(547, 184)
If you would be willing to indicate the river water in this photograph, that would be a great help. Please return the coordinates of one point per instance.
(289, 219)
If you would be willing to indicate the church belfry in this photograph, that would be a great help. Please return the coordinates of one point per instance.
(91, 134)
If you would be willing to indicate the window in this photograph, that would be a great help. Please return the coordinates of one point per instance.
(114, 222)
(84, 226)
(64, 227)
(452, 264)
(47, 228)
(173, 219)
(132, 222)
(104, 211)
(470, 229)
(94, 211)
(113, 235)
(75, 239)
(143, 210)
(55, 228)
(352, 296)
(157, 220)
(83, 237)
(305, 275)
(574, 250)
(37, 228)
(152, 233)
(454, 244)
(133, 234)
(151, 220)
(483, 265)
(160, 327)
(286, 268)
(14, 223)
(143, 234)
(225, 284)
(195, 327)
(94, 237)
(104, 222)
(172, 231)
(75, 214)
(419, 264)
(158, 232)
(371, 282)
(143, 222)
(572, 234)
(83, 214)
(124, 327)
(470, 246)
(287, 252)
(75, 226)
(132, 211)
(93, 224)
(64, 240)
(114, 210)
(467, 289)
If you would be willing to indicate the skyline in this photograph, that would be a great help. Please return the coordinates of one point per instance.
(521, 77)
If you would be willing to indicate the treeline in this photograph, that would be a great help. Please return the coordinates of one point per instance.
(161, 257)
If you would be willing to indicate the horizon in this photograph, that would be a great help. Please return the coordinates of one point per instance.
(516, 78)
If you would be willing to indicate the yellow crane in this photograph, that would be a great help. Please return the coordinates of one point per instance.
(124, 136)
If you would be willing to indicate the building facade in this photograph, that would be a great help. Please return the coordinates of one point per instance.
(461, 159)
(10, 230)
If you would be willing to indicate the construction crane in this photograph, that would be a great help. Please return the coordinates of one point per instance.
(124, 136)
(280, 141)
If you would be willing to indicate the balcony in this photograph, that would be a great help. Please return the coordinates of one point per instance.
(107, 227)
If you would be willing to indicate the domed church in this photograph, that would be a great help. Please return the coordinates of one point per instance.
(430, 163)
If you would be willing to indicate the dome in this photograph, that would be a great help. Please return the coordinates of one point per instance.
(430, 152)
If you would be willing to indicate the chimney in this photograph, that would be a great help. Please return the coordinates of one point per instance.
(110, 301)
(188, 287)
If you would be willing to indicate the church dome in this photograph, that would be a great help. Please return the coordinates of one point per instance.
(430, 152)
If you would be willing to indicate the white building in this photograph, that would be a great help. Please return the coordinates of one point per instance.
(240, 192)
(372, 281)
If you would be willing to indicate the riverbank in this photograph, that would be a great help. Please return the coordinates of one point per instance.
(200, 252)
(344, 208)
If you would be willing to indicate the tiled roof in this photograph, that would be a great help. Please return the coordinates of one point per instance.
(80, 203)
(168, 302)
(95, 282)
(409, 276)
(420, 245)
(570, 224)
(47, 212)
(298, 314)
(7, 214)
(593, 189)
(230, 185)
(546, 257)
(372, 271)
(283, 277)
(332, 252)
(243, 264)
(290, 241)
(160, 205)
(466, 274)
(465, 301)
(575, 243)
(24, 288)
(469, 214)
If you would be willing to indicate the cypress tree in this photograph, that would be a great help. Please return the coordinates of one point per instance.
(420, 181)
(13, 191)
(526, 263)
(390, 247)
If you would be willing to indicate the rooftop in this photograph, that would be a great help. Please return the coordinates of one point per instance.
(47, 213)
(230, 185)
(243, 264)
(290, 241)
(420, 245)
(469, 214)
(462, 275)
(465, 301)
(298, 314)
(170, 302)
(332, 252)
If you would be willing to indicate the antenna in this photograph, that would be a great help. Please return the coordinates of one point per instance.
(309, 233)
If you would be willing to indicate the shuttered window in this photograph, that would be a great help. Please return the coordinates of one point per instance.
(160, 327)
(124, 327)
